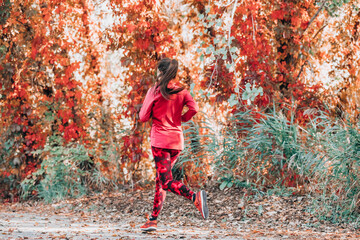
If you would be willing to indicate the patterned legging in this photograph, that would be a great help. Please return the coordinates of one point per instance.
(164, 161)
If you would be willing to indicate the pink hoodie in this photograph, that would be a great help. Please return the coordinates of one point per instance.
(166, 129)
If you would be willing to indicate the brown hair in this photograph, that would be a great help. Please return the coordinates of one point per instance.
(168, 69)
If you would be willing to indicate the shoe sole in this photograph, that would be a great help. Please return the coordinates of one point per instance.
(149, 229)
(204, 208)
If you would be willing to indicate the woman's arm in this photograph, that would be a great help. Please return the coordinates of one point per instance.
(145, 111)
(192, 105)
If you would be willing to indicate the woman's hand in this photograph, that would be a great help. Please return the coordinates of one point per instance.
(138, 107)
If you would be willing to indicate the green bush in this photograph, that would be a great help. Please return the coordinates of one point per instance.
(321, 158)
(199, 147)
(338, 189)
(60, 175)
(264, 151)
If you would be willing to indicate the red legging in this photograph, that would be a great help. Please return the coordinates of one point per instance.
(164, 161)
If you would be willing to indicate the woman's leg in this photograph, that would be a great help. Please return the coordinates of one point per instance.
(159, 198)
(164, 161)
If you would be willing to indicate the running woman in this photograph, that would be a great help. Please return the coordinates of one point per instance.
(164, 103)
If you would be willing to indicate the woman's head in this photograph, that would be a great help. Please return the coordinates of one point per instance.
(167, 69)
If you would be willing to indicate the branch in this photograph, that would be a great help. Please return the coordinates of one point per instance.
(302, 68)
(319, 31)
(227, 4)
(212, 74)
(314, 17)
(231, 23)
(252, 21)
(228, 44)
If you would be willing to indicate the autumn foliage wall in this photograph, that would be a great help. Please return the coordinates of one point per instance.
(58, 61)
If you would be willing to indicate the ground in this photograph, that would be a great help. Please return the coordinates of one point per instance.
(118, 215)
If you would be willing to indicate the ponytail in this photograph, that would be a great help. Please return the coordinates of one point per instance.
(168, 69)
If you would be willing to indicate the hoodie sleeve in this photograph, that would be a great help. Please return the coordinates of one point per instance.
(192, 105)
(146, 109)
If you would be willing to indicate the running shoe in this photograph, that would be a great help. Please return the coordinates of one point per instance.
(150, 225)
(200, 203)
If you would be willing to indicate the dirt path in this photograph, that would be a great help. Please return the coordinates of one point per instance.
(119, 216)
(16, 225)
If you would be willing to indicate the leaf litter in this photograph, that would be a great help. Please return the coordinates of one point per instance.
(118, 215)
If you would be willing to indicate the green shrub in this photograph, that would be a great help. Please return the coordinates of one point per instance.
(200, 144)
(60, 175)
(338, 189)
(270, 152)
(264, 151)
